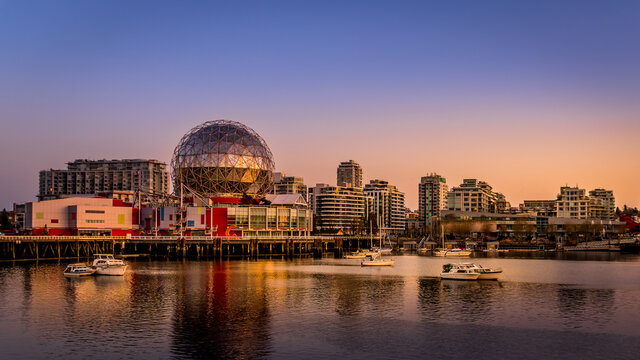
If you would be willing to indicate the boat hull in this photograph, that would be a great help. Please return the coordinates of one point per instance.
(355, 256)
(79, 274)
(459, 276)
(377, 263)
(490, 275)
(111, 270)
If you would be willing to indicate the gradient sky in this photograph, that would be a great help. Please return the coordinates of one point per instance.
(528, 96)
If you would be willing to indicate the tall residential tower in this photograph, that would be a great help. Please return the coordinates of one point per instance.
(349, 174)
(432, 197)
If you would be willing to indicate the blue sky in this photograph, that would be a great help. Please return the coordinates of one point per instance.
(527, 95)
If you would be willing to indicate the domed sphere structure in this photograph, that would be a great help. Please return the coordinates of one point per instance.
(223, 158)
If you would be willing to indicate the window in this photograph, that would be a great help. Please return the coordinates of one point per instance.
(94, 211)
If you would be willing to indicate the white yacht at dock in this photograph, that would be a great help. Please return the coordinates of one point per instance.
(106, 264)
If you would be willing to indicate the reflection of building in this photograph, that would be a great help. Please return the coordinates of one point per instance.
(432, 197)
(339, 209)
(474, 195)
(104, 176)
(388, 205)
(349, 174)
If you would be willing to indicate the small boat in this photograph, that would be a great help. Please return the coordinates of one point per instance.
(452, 252)
(376, 260)
(356, 255)
(422, 251)
(106, 264)
(485, 273)
(76, 270)
(458, 272)
(439, 252)
(458, 252)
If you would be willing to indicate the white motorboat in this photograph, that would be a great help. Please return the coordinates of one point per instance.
(458, 272)
(106, 264)
(486, 273)
(77, 270)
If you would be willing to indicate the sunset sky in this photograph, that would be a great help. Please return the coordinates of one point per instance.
(526, 95)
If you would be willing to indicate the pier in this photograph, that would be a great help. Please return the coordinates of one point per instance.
(61, 247)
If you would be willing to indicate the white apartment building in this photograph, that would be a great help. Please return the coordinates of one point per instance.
(573, 203)
(474, 196)
(339, 209)
(388, 206)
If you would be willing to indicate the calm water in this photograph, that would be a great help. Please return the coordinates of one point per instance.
(582, 307)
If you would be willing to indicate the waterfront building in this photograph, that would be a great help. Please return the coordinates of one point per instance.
(432, 198)
(473, 196)
(607, 201)
(464, 225)
(90, 177)
(339, 209)
(288, 184)
(287, 215)
(573, 203)
(388, 206)
(541, 207)
(349, 174)
(80, 216)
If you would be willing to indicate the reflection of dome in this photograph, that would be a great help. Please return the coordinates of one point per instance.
(223, 158)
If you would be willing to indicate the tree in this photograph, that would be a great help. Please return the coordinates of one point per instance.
(5, 223)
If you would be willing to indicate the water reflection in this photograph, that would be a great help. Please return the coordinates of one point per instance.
(220, 314)
(266, 308)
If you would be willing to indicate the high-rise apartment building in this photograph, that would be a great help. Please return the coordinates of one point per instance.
(475, 196)
(607, 201)
(349, 174)
(432, 197)
(339, 209)
(289, 185)
(388, 206)
(104, 176)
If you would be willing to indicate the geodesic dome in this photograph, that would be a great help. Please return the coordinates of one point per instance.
(223, 158)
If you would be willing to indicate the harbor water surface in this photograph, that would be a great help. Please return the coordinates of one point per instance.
(570, 307)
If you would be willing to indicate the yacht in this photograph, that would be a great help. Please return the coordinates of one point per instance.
(486, 273)
(76, 270)
(106, 264)
(376, 260)
(451, 252)
(458, 272)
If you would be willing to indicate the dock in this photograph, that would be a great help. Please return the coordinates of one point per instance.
(63, 247)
